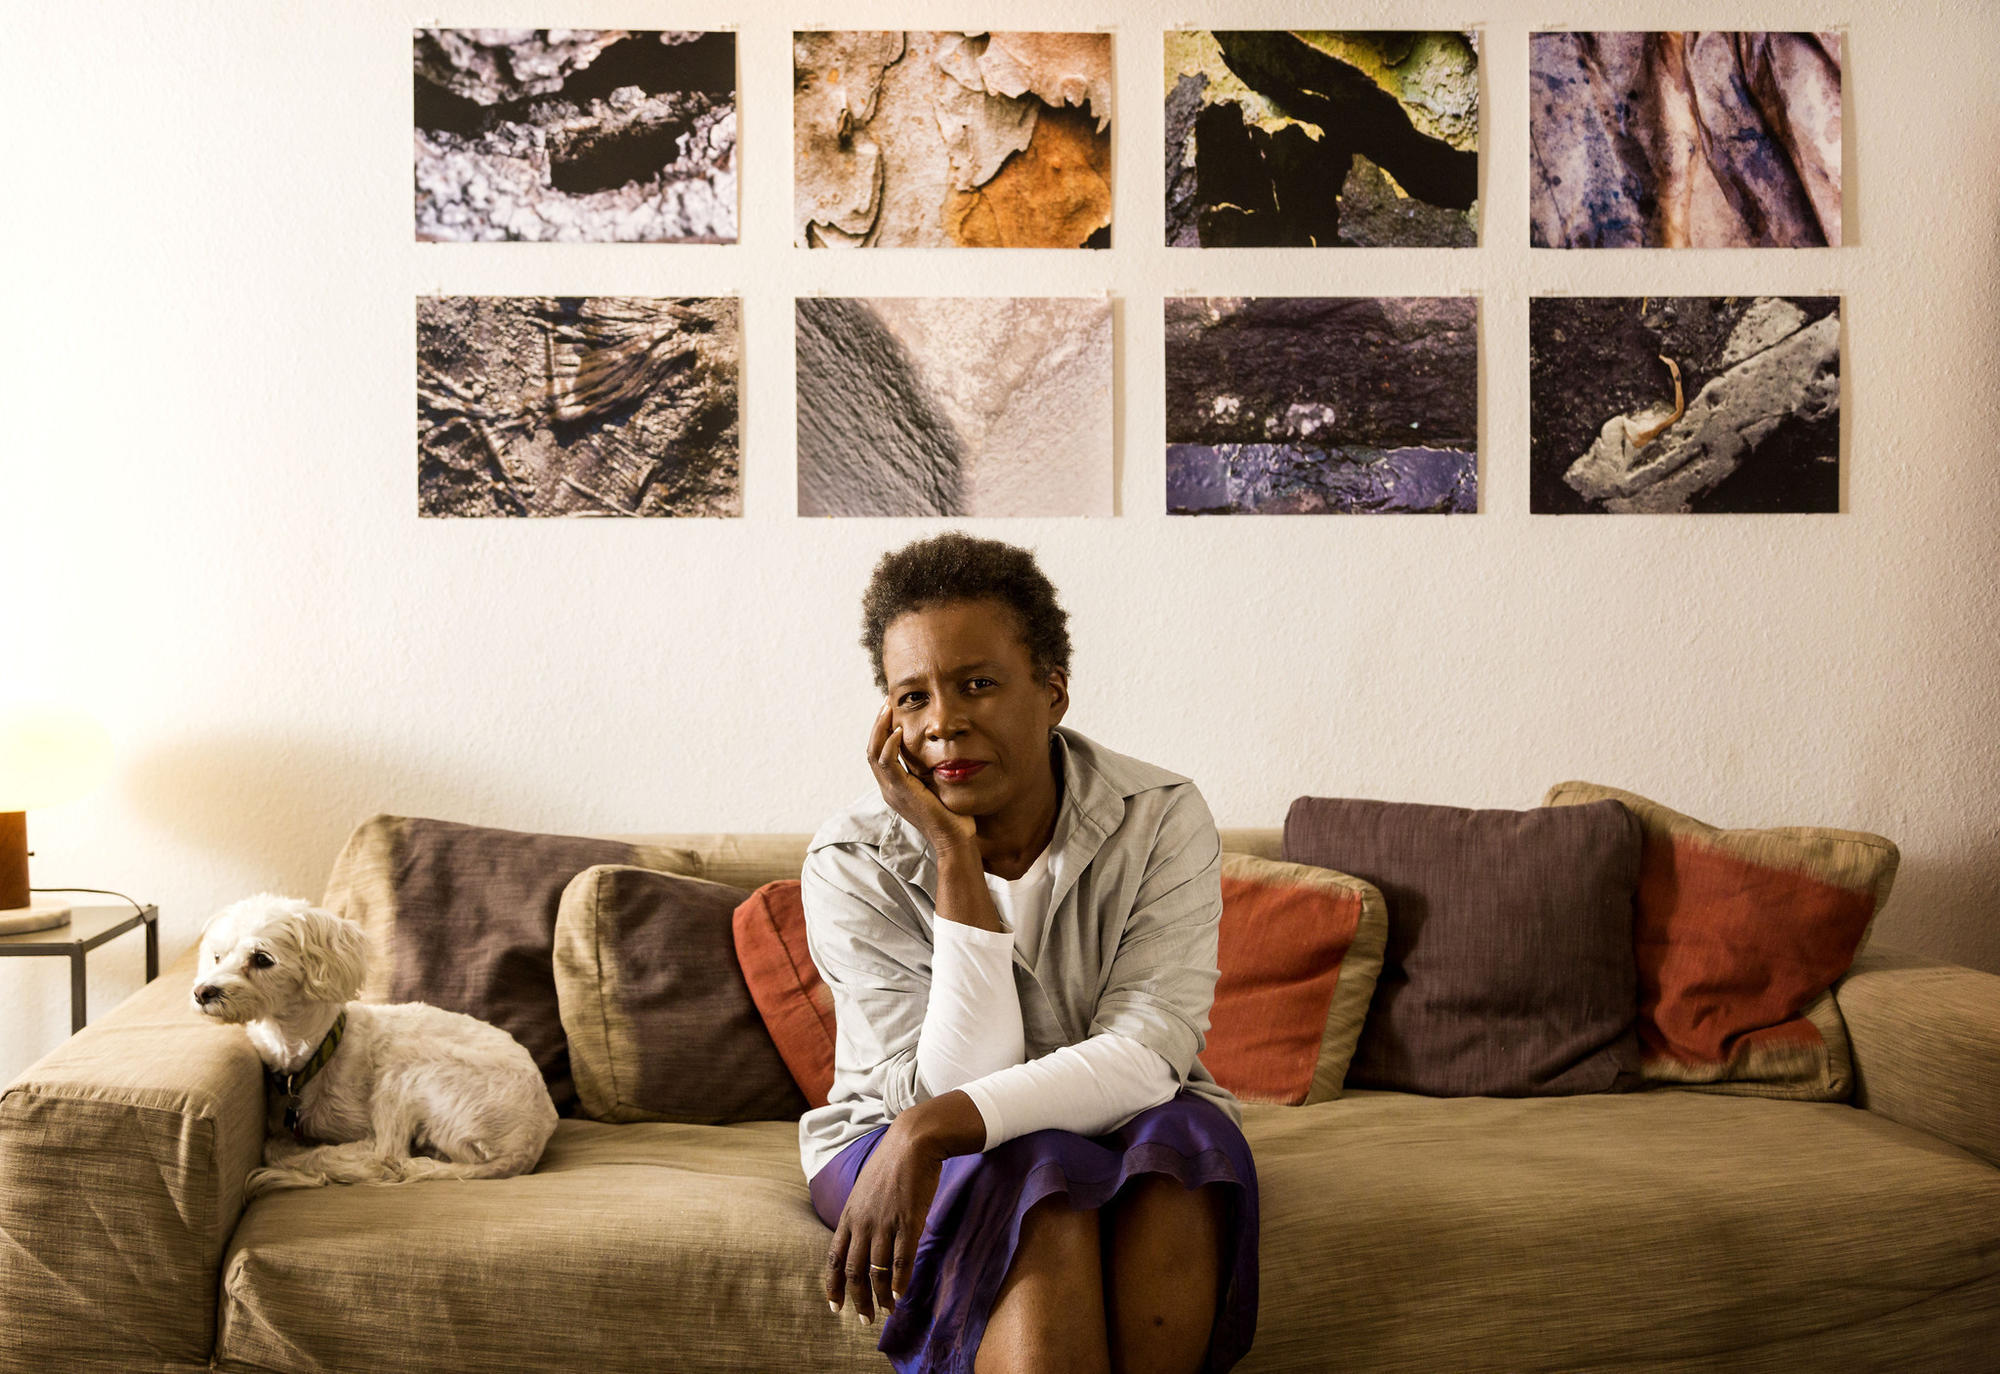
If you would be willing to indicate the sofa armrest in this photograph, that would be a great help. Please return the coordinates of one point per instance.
(1926, 1044)
(123, 1155)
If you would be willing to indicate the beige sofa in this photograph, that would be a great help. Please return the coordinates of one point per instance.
(1665, 1230)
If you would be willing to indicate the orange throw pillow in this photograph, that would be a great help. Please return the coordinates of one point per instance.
(770, 933)
(1299, 950)
(1739, 937)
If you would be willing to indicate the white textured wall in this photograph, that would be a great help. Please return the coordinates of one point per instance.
(208, 516)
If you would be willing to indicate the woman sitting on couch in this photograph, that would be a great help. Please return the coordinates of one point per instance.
(1024, 1163)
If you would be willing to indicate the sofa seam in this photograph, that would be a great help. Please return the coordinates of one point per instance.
(603, 1002)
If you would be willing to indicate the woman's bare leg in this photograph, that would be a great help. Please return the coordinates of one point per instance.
(1161, 1275)
(1049, 1316)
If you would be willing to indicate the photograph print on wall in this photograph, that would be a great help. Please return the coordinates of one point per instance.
(942, 140)
(1684, 140)
(575, 135)
(577, 405)
(1279, 138)
(1683, 404)
(954, 406)
(1341, 405)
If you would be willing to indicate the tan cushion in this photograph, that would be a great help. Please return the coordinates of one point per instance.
(463, 917)
(1665, 1230)
(1654, 1231)
(1738, 935)
(659, 1022)
(631, 1247)
(1299, 950)
(742, 860)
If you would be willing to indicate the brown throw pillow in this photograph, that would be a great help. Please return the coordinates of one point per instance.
(464, 916)
(660, 1024)
(1299, 950)
(1509, 969)
(1741, 935)
(794, 1001)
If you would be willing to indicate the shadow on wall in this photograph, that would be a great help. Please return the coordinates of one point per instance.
(1941, 907)
(275, 809)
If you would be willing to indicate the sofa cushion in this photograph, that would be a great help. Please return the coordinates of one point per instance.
(1509, 967)
(660, 1025)
(794, 1001)
(464, 917)
(1740, 935)
(1651, 1231)
(635, 1247)
(1644, 1231)
(1299, 950)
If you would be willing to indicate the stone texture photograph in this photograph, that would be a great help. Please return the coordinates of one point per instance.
(1684, 140)
(578, 405)
(575, 136)
(1312, 139)
(942, 140)
(1683, 404)
(954, 406)
(1336, 405)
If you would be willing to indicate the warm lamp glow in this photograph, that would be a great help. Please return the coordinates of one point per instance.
(49, 754)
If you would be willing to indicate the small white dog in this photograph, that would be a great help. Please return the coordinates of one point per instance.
(395, 1092)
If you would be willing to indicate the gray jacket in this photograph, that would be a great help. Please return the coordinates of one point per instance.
(1129, 945)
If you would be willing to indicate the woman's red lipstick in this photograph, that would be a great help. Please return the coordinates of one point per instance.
(958, 770)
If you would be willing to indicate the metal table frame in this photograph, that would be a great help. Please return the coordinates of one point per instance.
(89, 927)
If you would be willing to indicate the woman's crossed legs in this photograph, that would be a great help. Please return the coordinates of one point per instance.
(1131, 1288)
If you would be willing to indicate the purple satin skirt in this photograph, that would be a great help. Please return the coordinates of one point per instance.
(975, 1222)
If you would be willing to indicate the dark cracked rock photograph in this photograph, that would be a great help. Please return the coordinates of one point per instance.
(578, 406)
(951, 139)
(1683, 404)
(968, 406)
(1314, 139)
(575, 136)
(1684, 140)
(1337, 405)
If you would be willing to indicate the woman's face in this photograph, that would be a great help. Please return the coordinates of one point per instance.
(962, 689)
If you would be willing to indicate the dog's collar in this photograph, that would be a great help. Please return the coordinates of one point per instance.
(290, 1085)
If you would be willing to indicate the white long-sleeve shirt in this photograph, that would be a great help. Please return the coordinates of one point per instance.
(972, 1037)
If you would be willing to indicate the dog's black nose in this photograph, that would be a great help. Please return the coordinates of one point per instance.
(205, 995)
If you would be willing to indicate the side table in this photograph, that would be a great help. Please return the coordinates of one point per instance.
(89, 927)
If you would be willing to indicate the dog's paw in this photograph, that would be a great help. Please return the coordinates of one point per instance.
(270, 1180)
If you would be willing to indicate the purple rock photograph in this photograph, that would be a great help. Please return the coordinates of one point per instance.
(1684, 140)
(1683, 404)
(1337, 405)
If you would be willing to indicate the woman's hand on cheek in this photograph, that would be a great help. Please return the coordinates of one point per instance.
(912, 798)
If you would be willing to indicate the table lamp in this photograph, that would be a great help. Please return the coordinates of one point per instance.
(48, 755)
